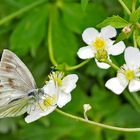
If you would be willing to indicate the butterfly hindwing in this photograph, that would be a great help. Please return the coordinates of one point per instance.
(14, 108)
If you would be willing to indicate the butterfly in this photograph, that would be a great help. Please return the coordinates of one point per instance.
(17, 86)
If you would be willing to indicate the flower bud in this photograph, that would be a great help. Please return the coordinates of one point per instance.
(126, 29)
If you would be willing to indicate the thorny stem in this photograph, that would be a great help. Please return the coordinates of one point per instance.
(125, 7)
(21, 11)
(98, 124)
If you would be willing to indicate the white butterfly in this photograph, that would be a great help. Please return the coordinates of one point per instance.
(17, 86)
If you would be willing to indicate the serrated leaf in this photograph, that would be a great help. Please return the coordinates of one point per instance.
(115, 21)
(135, 16)
(84, 4)
(29, 32)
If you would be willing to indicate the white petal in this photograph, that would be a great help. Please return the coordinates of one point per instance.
(38, 113)
(132, 57)
(69, 83)
(50, 88)
(32, 117)
(102, 65)
(89, 35)
(108, 32)
(134, 85)
(117, 49)
(63, 99)
(115, 86)
(86, 52)
(48, 110)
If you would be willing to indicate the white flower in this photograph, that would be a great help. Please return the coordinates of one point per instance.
(64, 87)
(100, 41)
(45, 104)
(56, 93)
(128, 74)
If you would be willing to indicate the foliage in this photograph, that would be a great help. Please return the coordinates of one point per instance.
(27, 35)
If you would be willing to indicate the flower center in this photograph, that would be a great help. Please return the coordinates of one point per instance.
(129, 74)
(49, 101)
(58, 81)
(99, 43)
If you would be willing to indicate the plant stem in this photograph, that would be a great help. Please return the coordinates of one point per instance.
(69, 68)
(136, 97)
(134, 5)
(50, 47)
(125, 7)
(135, 38)
(98, 124)
(132, 101)
(111, 64)
(21, 11)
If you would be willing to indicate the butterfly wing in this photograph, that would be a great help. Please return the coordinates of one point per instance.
(16, 81)
(15, 108)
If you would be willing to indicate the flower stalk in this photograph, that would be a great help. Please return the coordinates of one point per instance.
(125, 7)
(121, 129)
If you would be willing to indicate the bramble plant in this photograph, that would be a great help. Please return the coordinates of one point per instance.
(105, 43)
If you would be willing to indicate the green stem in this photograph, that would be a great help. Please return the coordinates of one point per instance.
(136, 97)
(134, 5)
(98, 124)
(132, 101)
(21, 11)
(50, 47)
(69, 68)
(135, 38)
(125, 7)
(111, 64)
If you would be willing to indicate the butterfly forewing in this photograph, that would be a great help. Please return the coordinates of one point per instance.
(16, 82)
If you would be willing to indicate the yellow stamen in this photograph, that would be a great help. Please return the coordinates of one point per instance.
(58, 81)
(49, 101)
(99, 43)
(129, 74)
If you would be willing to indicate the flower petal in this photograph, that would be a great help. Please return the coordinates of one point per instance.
(102, 65)
(38, 113)
(63, 99)
(115, 86)
(108, 32)
(69, 83)
(134, 85)
(132, 57)
(86, 52)
(50, 89)
(117, 49)
(89, 35)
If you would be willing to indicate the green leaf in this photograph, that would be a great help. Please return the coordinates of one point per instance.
(135, 16)
(115, 21)
(29, 32)
(64, 41)
(84, 4)
(77, 20)
(123, 36)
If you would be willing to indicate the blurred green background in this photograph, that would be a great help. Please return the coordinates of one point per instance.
(27, 36)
